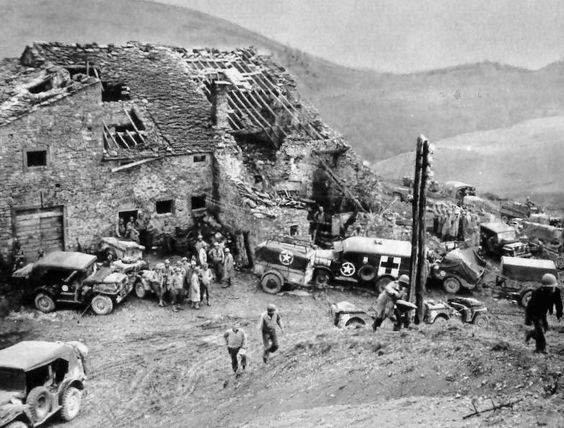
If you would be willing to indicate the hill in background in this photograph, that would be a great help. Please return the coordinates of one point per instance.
(525, 159)
(380, 114)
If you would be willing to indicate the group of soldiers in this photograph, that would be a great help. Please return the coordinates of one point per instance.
(192, 278)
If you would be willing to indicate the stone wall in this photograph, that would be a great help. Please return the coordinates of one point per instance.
(78, 179)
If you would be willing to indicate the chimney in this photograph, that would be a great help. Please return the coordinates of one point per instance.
(220, 104)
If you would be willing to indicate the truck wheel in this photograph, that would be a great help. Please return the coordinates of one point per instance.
(39, 403)
(381, 283)
(354, 323)
(525, 297)
(367, 273)
(271, 283)
(322, 278)
(102, 305)
(44, 302)
(70, 403)
(451, 285)
(481, 321)
(140, 291)
(17, 424)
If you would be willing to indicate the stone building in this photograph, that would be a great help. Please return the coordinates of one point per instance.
(92, 133)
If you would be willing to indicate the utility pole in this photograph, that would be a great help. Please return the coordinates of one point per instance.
(423, 172)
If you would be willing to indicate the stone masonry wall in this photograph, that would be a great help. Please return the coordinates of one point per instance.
(77, 178)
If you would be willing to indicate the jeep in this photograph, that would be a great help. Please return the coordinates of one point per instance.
(72, 277)
(39, 379)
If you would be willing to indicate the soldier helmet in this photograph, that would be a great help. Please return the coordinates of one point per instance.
(271, 307)
(549, 279)
(403, 279)
(159, 266)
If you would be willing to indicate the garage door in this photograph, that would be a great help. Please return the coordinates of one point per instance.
(40, 229)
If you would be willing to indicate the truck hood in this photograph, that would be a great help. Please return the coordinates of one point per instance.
(105, 275)
(6, 396)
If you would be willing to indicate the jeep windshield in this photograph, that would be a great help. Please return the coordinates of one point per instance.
(12, 380)
(507, 236)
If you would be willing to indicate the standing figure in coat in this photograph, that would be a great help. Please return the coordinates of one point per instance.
(228, 268)
(387, 299)
(543, 300)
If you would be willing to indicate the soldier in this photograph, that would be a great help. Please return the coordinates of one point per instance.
(228, 268)
(194, 291)
(156, 282)
(386, 300)
(176, 288)
(236, 341)
(216, 258)
(268, 322)
(543, 300)
(205, 283)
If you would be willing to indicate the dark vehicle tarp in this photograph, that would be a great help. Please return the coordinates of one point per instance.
(462, 263)
(28, 355)
(70, 260)
(526, 270)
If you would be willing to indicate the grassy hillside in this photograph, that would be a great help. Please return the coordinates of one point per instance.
(524, 159)
(381, 114)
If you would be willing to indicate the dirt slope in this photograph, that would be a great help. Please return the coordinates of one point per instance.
(153, 367)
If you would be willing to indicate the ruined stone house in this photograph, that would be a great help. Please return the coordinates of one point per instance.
(91, 133)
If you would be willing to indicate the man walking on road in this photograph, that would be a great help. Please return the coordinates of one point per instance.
(542, 301)
(267, 325)
(236, 341)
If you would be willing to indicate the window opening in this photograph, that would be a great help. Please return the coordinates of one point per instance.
(199, 158)
(164, 207)
(36, 158)
(115, 91)
(198, 202)
(294, 230)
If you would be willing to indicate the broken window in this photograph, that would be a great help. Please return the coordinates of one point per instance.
(199, 158)
(125, 135)
(126, 215)
(294, 230)
(36, 158)
(164, 207)
(43, 86)
(198, 202)
(86, 69)
(115, 91)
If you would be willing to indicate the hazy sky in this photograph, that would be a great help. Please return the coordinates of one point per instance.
(405, 35)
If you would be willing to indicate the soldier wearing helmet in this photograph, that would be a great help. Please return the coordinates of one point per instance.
(543, 300)
(387, 299)
(269, 320)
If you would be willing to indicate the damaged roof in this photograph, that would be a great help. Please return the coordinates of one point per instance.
(157, 80)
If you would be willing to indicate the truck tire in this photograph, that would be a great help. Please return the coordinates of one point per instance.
(322, 277)
(70, 403)
(451, 285)
(367, 273)
(525, 297)
(102, 305)
(44, 302)
(140, 290)
(39, 403)
(481, 321)
(271, 283)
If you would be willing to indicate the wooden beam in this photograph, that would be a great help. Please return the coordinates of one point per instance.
(110, 134)
(251, 110)
(132, 137)
(120, 135)
(134, 126)
(133, 164)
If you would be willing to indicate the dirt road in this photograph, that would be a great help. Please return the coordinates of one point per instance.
(150, 366)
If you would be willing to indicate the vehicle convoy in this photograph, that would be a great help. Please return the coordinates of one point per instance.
(458, 269)
(513, 209)
(283, 261)
(518, 277)
(364, 260)
(39, 379)
(499, 239)
(72, 277)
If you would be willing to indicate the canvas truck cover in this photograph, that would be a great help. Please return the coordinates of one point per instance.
(497, 227)
(462, 263)
(367, 245)
(544, 232)
(66, 260)
(526, 270)
(28, 355)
